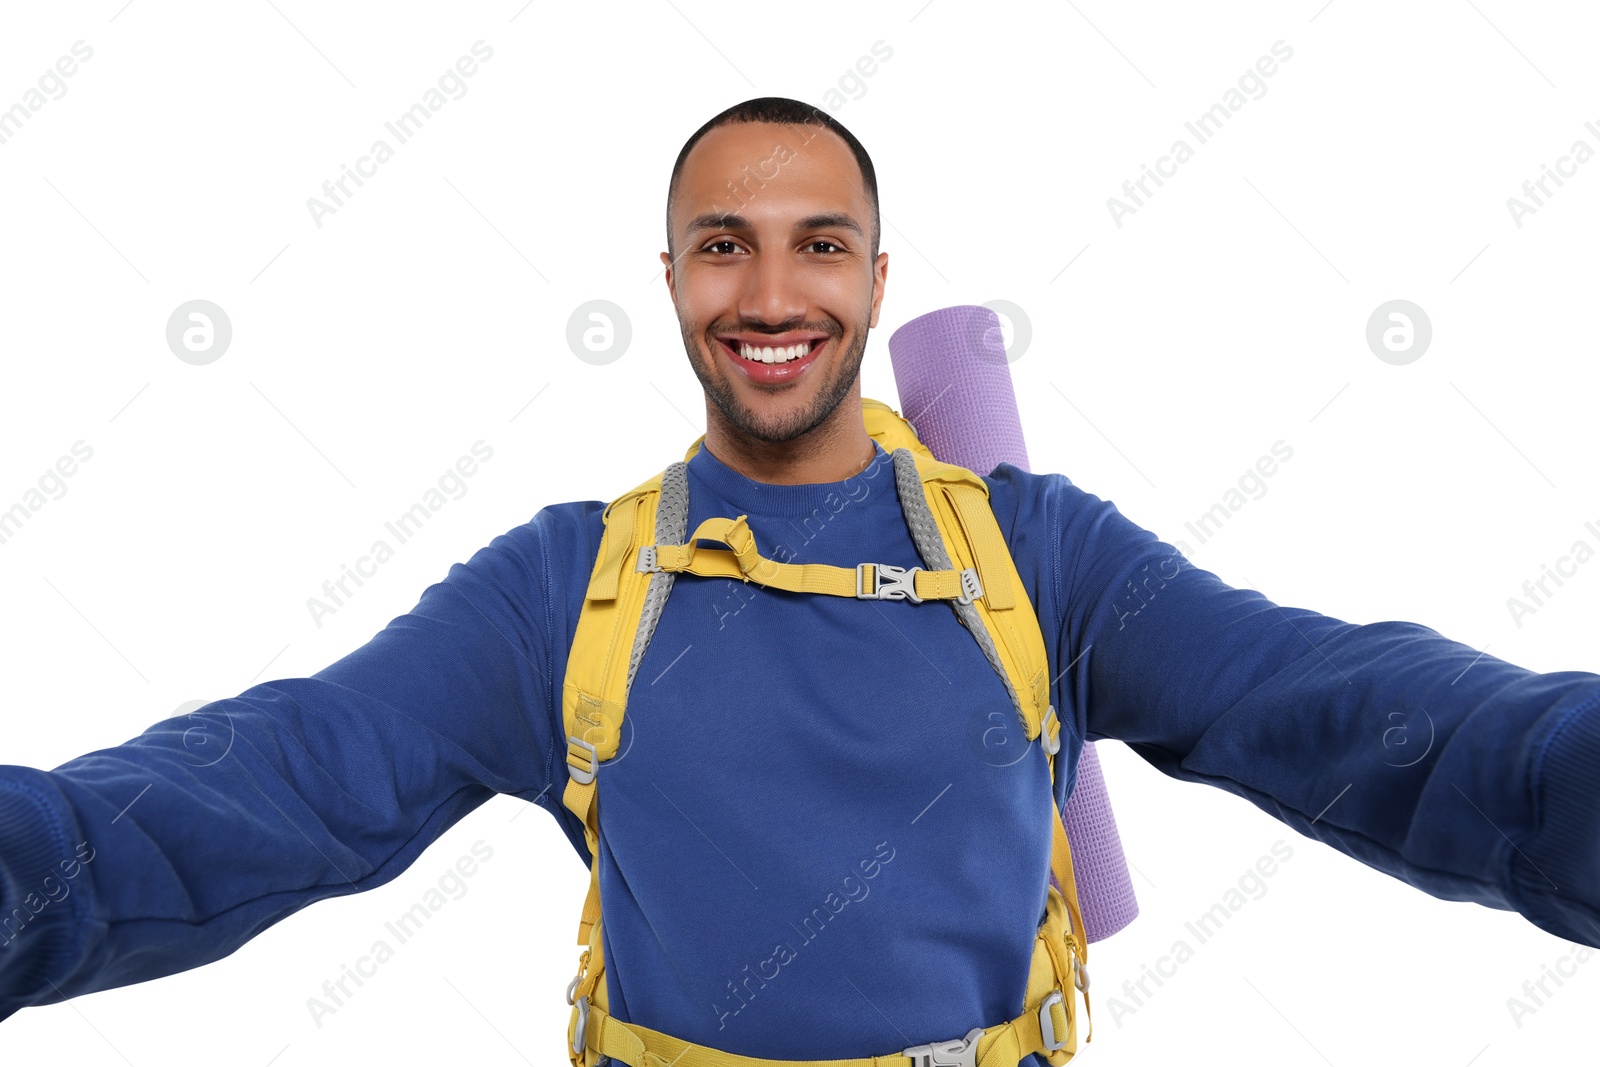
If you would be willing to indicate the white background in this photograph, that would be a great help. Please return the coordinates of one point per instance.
(430, 312)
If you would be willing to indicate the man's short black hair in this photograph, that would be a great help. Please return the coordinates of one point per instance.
(781, 109)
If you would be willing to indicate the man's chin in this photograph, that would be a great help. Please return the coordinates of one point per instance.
(774, 420)
(779, 414)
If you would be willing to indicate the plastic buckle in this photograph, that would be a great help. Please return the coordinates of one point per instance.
(1047, 1025)
(582, 775)
(962, 1052)
(1052, 745)
(971, 588)
(889, 582)
(647, 560)
(579, 1037)
(577, 979)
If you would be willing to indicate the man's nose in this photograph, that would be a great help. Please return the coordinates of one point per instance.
(772, 293)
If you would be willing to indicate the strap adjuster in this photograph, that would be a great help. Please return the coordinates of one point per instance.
(888, 583)
(1047, 1025)
(1052, 743)
(582, 775)
(647, 560)
(960, 1052)
(971, 588)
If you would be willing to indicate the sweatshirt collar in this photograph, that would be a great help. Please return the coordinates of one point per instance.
(792, 501)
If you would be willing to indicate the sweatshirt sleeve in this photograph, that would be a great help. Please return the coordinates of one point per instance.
(1461, 774)
(173, 849)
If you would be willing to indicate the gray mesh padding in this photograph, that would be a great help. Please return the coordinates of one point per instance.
(672, 526)
(930, 545)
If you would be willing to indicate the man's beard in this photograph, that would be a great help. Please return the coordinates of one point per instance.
(823, 405)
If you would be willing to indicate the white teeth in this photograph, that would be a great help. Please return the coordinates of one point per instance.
(774, 355)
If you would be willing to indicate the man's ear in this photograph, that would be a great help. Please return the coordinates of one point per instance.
(880, 277)
(666, 261)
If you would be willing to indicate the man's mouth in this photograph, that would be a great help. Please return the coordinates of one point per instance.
(771, 353)
(774, 359)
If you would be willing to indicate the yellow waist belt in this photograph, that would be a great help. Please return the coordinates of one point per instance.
(970, 567)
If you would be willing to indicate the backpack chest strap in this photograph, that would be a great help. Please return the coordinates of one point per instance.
(743, 560)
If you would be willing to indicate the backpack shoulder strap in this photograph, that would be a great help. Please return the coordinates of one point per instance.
(949, 513)
(954, 528)
(620, 608)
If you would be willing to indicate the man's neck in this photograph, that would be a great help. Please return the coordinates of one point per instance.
(837, 449)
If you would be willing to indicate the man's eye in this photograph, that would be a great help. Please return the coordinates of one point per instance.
(724, 246)
(825, 246)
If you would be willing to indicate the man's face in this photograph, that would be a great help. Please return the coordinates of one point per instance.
(772, 233)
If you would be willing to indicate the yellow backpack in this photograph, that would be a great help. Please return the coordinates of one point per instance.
(947, 508)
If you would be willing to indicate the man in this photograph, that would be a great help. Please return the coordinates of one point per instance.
(805, 853)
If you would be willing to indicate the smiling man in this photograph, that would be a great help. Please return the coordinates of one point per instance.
(777, 278)
(803, 844)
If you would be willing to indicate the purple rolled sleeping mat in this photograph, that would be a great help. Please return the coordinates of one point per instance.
(955, 388)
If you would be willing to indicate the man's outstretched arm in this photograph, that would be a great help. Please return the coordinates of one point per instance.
(1466, 776)
(173, 849)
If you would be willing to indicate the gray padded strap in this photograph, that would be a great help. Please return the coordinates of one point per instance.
(672, 526)
(930, 545)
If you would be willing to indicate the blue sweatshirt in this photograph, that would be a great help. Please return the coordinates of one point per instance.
(824, 835)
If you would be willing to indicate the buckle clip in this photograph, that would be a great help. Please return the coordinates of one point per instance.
(971, 588)
(580, 1038)
(961, 1052)
(577, 979)
(888, 582)
(582, 775)
(1052, 745)
(647, 560)
(1047, 1026)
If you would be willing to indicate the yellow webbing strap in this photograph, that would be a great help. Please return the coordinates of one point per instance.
(1077, 936)
(1000, 1046)
(744, 560)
